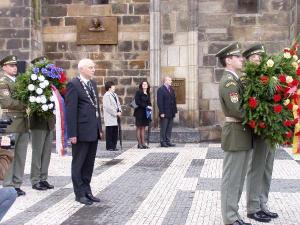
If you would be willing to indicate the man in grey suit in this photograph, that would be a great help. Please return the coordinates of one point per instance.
(111, 112)
(166, 102)
(259, 174)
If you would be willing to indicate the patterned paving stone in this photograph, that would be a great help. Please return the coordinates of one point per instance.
(161, 186)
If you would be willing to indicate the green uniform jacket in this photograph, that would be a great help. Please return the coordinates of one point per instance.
(37, 122)
(12, 108)
(235, 137)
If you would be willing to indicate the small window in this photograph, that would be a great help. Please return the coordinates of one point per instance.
(100, 1)
(248, 6)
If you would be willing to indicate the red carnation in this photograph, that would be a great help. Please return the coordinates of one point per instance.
(289, 134)
(287, 123)
(295, 121)
(290, 106)
(262, 125)
(277, 98)
(252, 124)
(63, 78)
(286, 50)
(298, 71)
(298, 111)
(264, 80)
(282, 78)
(294, 83)
(277, 108)
(278, 88)
(297, 134)
(252, 102)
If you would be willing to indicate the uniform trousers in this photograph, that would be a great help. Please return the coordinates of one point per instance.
(41, 153)
(8, 196)
(235, 165)
(15, 173)
(83, 159)
(259, 176)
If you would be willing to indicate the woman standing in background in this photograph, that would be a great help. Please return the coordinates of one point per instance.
(142, 119)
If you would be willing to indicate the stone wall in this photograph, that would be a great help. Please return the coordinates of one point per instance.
(15, 28)
(126, 63)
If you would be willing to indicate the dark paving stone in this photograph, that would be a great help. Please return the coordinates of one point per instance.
(179, 210)
(214, 153)
(122, 198)
(39, 207)
(209, 184)
(195, 168)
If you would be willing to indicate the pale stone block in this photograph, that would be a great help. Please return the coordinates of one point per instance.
(68, 37)
(205, 74)
(193, 37)
(164, 57)
(167, 71)
(4, 3)
(210, 91)
(193, 55)
(214, 104)
(173, 56)
(143, 36)
(216, 30)
(101, 10)
(183, 56)
(211, 6)
(181, 38)
(181, 71)
(59, 30)
(134, 28)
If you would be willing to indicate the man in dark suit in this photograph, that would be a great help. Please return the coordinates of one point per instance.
(166, 102)
(84, 129)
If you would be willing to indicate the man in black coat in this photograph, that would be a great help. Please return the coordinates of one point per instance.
(84, 129)
(166, 102)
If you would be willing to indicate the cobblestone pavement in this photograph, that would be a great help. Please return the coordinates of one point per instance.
(164, 186)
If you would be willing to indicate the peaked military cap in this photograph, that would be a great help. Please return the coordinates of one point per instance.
(255, 49)
(232, 49)
(11, 59)
(38, 59)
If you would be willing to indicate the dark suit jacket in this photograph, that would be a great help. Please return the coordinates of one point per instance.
(166, 101)
(81, 114)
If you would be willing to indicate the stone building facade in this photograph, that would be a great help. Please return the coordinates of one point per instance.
(156, 38)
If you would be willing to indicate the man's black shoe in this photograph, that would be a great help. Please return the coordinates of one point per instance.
(39, 187)
(92, 198)
(164, 145)
(239, 222)
(244, 223)
(259, 216)
(20, 192)
(272, 215)
(171, 144)
(46, 184)
(83, 200)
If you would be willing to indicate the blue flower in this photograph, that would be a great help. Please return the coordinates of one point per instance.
(50, 66)
(36, 70)
(44, 71)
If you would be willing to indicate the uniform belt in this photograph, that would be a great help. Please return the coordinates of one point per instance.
(232, 120)
(12, 111)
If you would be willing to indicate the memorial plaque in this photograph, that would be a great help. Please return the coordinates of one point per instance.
(179, 87)
(97, 30)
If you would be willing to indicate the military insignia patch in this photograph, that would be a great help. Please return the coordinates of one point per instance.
(234, 97)
(230, 83)
(5, 92)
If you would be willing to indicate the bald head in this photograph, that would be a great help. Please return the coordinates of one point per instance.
(86, 68)
(168, 80)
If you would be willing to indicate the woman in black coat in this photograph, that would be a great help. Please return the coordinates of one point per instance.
(143, 101)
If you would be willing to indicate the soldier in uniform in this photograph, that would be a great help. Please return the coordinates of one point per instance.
(236, 140)
(16, 110)
(41, 138)
(259, 174)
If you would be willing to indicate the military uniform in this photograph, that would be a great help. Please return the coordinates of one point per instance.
(16, 110)
(260, 170)
(236, 141)
(41, 138)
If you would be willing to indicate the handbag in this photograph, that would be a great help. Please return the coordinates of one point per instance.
(148, 114)
(133, 104)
